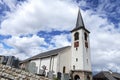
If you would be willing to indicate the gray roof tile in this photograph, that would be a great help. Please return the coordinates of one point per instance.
(108, 75)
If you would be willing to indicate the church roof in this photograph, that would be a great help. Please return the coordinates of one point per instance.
(80, 23)
(108, 75)
(46, 54)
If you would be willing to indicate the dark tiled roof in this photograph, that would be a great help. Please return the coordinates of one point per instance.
(79, 22)
(108, 75)
(116, 75)
(46, 54)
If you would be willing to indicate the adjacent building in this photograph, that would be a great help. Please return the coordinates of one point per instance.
(107, 75)
(69, 61)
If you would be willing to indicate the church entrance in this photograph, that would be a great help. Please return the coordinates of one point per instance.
(88, 77)
(76, 77)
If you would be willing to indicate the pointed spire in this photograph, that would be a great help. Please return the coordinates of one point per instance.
(79, 22)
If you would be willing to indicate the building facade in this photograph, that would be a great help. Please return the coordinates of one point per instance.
(70, 61)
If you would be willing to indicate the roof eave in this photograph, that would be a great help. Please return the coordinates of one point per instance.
(75, 29)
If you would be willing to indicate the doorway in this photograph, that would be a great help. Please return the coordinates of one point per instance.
(76, 77)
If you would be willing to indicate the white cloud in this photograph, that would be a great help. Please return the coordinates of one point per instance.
(10, 3)
(61, 40)
(28, 46)
(33, 16)
(23, 42)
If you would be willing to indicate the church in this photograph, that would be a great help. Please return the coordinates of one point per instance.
(73, 61)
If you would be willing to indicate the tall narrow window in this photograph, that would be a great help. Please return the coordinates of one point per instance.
(87, 61)
(85, 36)
(76, 36)
(64, 69)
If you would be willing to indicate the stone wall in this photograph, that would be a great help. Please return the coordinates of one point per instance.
(8, 73)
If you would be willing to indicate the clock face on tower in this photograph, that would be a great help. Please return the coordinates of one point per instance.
(76, 44)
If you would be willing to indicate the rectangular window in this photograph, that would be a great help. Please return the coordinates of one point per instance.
(76, 59)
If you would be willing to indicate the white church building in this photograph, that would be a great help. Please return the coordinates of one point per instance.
(71, 60)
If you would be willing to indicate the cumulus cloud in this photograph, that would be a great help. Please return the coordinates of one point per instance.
(33, 16)
(27, 45)
(10, 3)
(11, 52)
(61, 40)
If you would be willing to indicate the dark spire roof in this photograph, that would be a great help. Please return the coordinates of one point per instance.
(79, 22)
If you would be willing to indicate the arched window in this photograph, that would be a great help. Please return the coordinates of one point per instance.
(64, 69)
(85, 36)
(76, 36)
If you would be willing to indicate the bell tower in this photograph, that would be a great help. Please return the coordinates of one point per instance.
(80, 57)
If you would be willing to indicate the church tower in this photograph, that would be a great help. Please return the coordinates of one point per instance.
(80, 57)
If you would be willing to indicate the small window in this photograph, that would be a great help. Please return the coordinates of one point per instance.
(88, 77)
(87, 61)
(76, 49)
(76, 59)
(73, 67)
(85, 36)
(76, 36)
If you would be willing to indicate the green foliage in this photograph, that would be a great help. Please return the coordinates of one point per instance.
(55, 78)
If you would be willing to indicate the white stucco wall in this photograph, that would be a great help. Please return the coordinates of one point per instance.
(77, 53)
(37, 64)
(57, 62)
(80, 53)
(46, 62)
(54, 64)
(64, 60)
(87, 56)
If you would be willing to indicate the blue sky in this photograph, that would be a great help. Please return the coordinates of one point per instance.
(28, 27)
